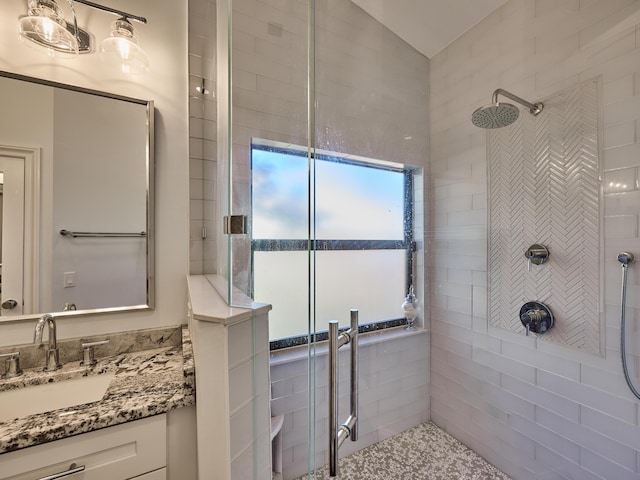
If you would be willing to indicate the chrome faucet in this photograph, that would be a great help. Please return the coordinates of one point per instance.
(52, 361)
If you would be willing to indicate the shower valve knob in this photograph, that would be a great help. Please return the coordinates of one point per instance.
(536, 254)
(536, 317)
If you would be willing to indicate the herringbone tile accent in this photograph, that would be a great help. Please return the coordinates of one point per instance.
(544, 187)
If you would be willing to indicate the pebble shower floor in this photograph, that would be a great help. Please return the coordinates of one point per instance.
(425, 452)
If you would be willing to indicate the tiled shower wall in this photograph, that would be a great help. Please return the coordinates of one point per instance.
(535, 409)
(202, 136)
(544, 188)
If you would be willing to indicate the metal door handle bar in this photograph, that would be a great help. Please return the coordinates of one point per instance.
(69, 233)
(350, 428)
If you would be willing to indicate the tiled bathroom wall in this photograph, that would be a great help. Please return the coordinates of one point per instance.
(544, 189)
(202, 137)
(535, 409)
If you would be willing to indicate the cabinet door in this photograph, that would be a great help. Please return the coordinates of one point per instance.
(114, 453)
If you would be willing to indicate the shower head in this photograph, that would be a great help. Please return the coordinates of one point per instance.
(495, 115)
(498, 115)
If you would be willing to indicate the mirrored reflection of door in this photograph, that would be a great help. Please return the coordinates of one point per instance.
(12, 169)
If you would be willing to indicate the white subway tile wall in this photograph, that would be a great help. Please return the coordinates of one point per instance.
(249, 398)
(202, 136)
(557, 413)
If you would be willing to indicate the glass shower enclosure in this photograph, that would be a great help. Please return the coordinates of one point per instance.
(321, 148)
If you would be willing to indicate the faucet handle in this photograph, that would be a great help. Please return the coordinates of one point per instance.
(88, 354)
(536, 254)
(12, 364)
(536, 317)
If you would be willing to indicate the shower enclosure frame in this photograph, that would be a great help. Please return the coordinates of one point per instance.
(232, 248)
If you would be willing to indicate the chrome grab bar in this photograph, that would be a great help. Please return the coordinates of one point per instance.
(350, 428)
(69, 233)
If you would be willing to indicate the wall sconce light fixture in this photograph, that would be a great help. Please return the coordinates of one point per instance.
(46, 27)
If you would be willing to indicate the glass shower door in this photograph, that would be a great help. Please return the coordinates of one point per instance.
(368, 140)
(325, 131)
(265, 171)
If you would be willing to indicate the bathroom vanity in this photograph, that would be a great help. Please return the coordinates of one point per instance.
(123, 435)
(132, 450)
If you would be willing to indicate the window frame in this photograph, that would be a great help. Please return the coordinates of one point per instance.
(407, 243)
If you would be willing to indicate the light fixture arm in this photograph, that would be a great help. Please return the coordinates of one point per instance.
(534, 108)
(75, 20)
(120, 13)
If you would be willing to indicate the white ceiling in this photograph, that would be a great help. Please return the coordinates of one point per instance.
(429, 25)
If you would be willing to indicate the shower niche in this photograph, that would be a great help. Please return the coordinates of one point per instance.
(544, 188)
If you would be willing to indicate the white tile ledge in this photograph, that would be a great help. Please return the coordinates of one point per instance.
(292, 354)
(206, 303)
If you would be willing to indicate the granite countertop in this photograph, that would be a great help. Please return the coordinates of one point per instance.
(147, 382)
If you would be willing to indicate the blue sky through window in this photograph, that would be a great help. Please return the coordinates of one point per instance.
(352, 201)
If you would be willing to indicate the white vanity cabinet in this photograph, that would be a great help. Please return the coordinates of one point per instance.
(156, 475)
(131, 450)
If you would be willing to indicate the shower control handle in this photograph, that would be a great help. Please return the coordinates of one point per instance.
(536, 254)
(536, 317)
(535, 320)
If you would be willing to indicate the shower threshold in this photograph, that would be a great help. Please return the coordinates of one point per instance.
(422, 452)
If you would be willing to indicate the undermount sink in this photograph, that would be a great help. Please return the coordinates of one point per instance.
(47, 397)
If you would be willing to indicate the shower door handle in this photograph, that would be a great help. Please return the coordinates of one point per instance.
(350, 428)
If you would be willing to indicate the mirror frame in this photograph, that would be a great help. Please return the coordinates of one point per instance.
(150, 203)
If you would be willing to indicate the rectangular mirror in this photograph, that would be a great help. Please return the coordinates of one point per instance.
(76, 200)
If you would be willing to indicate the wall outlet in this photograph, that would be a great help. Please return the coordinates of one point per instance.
(69, 279)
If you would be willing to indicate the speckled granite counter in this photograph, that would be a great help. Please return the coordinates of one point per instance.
(147, 382)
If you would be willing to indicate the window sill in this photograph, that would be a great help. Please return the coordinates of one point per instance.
(292, 354)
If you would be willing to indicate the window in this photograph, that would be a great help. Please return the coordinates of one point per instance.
(363, 247)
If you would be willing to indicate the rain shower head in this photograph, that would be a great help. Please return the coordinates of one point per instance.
(495, 115)
(498, 115)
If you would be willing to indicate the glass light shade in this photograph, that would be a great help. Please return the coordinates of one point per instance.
(45, 27)
(121, 48)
